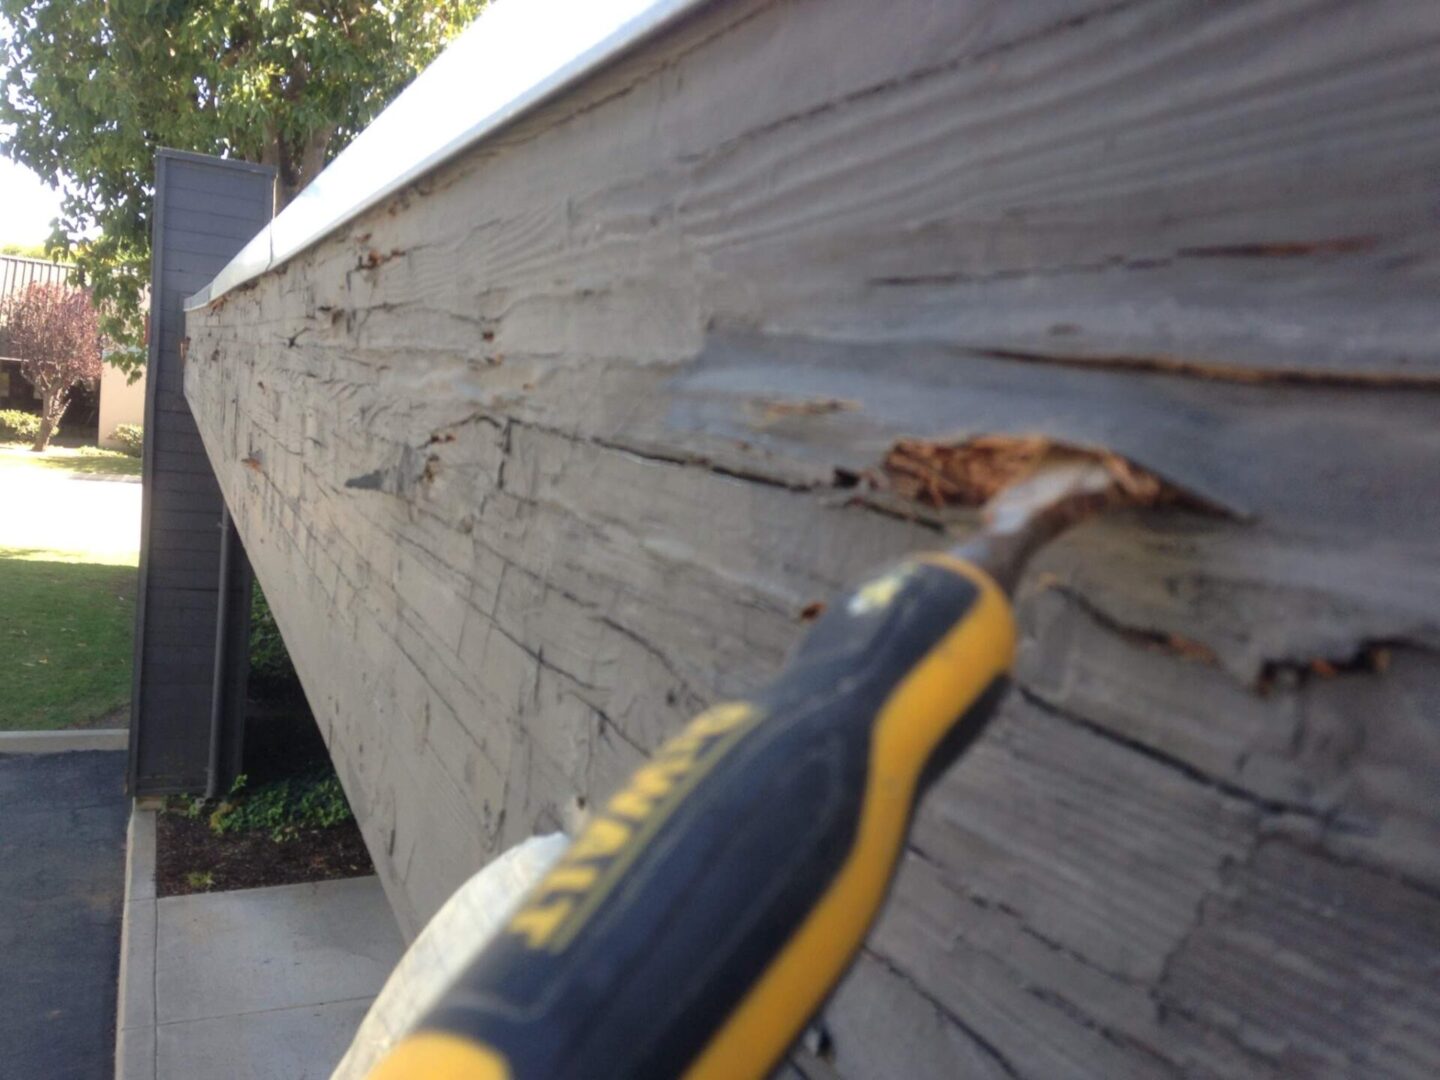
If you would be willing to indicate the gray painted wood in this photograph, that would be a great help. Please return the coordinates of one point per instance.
(517, 461)
(175, 623)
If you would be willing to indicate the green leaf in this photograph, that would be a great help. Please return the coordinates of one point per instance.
(95, 87)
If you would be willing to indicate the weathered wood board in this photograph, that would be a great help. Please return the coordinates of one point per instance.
(551, 449)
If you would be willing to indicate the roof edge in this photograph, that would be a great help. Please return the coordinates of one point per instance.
(515, 56)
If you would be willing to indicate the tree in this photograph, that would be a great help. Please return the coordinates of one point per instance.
(55, 330)
(95, 87)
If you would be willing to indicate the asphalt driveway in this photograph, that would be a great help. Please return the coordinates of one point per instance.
(62, 870)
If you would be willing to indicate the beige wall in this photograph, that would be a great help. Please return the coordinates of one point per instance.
(119, 403)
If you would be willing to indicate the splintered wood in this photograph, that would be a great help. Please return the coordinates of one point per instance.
(973, 472)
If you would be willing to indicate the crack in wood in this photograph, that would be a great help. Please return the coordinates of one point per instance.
(987, 1047)
(1365, 654)
(681, 458)
(1217, 371)
(1177, 765)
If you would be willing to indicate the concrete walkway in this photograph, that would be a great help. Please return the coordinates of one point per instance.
(62, 859)
(256, 984)
(99, 515)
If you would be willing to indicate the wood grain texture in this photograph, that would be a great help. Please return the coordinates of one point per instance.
(516, 460)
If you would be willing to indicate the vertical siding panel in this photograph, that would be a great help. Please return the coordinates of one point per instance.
(201, 205)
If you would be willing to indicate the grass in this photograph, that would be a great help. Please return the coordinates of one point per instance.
(81, 460)
(67, 588)
(65, 639)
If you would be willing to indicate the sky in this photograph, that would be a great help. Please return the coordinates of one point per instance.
(26, 205)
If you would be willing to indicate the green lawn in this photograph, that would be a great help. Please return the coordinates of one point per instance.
(85, 460)
(67, 588)
(66, 640)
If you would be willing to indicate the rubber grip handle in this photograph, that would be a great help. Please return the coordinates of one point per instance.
(706, 912)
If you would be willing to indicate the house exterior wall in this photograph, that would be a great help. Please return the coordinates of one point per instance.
(550, 450)
(121, 402)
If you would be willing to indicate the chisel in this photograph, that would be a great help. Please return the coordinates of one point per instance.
(705, 913)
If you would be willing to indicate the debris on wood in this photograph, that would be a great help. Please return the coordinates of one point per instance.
(972, 472)
(1368, 659)
(812, 611)
(1190, 649)
(1294, 249)
(772, 409)
(372, 258)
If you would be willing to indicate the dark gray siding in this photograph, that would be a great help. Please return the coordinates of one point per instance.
(205, 211)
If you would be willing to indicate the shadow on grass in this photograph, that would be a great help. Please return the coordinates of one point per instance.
(65, 637)
(80, 460)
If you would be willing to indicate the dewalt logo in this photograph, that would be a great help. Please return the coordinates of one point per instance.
(570, 893)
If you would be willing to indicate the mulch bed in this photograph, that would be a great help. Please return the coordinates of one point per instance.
(281, 742)
(186, 846)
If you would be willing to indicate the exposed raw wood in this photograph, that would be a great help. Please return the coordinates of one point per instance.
(556, 447)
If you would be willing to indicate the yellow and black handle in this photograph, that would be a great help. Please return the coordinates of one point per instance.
(706, 912)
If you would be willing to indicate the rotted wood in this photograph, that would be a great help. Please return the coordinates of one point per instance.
(555, 447)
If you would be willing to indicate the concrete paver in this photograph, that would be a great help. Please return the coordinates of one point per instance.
(63, 741)
(62, 855)
(219, 954)
(302, 1043)
(259, 984)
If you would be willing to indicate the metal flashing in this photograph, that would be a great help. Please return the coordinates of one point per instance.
(515, 56)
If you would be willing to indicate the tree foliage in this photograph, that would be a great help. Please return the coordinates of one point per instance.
(95, 87)
(55, 330)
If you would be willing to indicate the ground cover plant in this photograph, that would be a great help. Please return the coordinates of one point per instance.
(286, 818)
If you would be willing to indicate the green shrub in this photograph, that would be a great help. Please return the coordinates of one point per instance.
(131, 438)
(270, 663)
(15, 424)
(283, 807)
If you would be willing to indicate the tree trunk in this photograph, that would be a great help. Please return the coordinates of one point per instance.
(294, 171)
(52, 407)
(310, 162)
